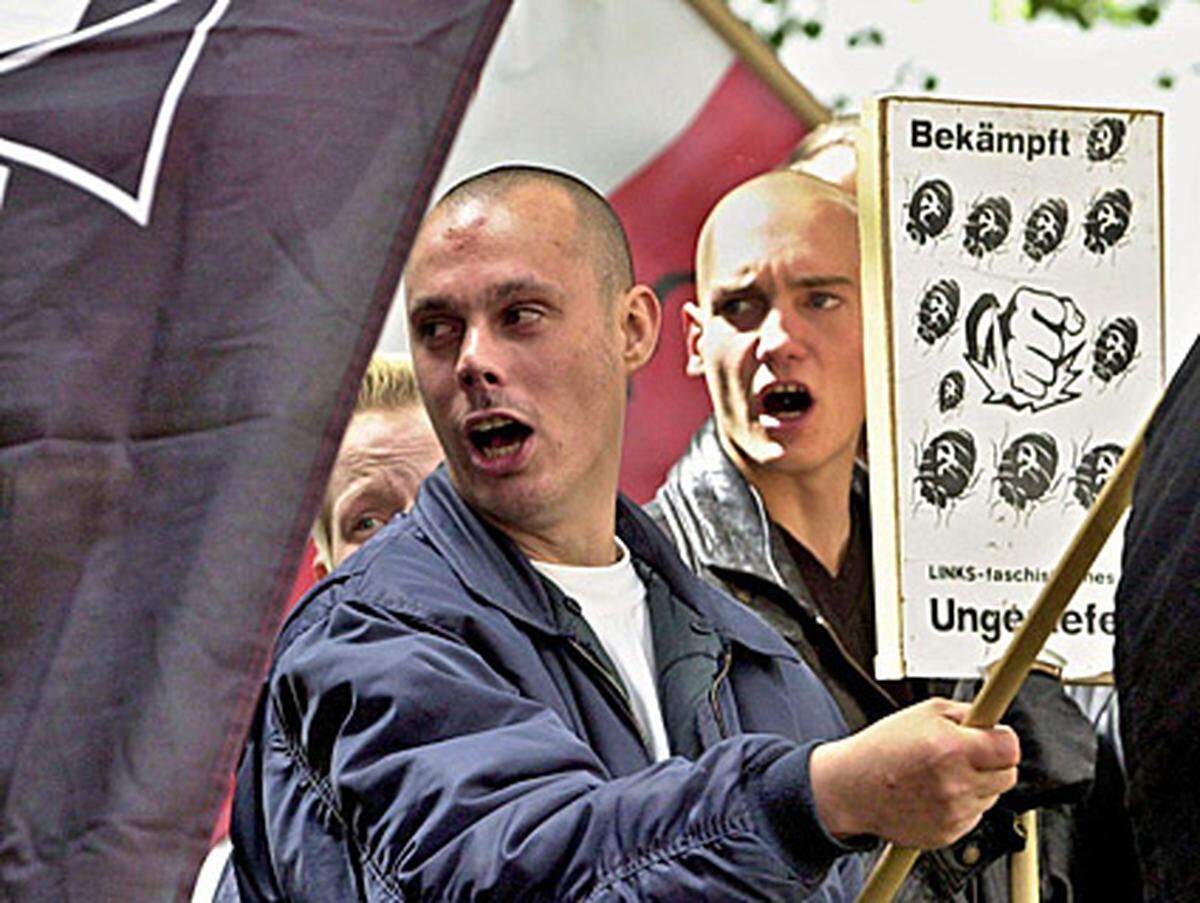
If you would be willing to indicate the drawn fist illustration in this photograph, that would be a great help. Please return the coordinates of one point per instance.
(1025, 352)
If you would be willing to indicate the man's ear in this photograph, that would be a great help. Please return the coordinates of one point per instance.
(641, 322)
(693, 331)
(320, 561)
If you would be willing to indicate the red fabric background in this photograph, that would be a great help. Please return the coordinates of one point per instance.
(741, 131)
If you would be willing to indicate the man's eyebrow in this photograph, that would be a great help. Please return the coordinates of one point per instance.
(360, 496)
(507, 290)
(353, 502)
(430, 304)
(734, 285)
(820, 281)
(496, 294)
(746, 283)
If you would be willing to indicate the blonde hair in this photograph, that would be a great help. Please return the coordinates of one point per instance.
(830, 152)
(388, 385)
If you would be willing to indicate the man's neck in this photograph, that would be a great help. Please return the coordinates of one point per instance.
(589, 542)
(813, 507)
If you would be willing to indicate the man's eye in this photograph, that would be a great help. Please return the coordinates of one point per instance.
(433, 332)
(523, 315)
(741, 312)
(824, 301)
(368, 524)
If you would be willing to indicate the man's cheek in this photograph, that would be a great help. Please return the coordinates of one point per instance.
(729, 391)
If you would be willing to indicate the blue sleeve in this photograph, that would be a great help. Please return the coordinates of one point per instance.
(397, 764)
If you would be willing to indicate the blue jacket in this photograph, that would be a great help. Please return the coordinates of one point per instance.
(439, 723)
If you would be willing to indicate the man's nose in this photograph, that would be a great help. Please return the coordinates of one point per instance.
(478, 364)
(777, 334)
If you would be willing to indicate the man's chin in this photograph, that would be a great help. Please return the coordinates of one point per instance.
(508, 499)
(760, 454)
(754, 448)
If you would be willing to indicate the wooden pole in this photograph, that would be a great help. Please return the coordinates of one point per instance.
(1023, 875)
(1008, 675)
(762, 61)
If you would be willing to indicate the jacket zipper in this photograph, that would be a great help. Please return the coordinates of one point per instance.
(714, 691)
(617, 692)
(765, 523)
(871, 682)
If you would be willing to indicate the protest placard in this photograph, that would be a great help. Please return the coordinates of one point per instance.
(1013, 309)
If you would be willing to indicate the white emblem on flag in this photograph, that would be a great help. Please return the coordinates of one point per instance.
(135, 205)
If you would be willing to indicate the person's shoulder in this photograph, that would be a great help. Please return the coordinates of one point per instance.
(664, 506)
(697, 489)
(656, 511)
(1174, 423)
(397, 575)
(763, 661)
(400, 562)
(743, 625)
(702, 462)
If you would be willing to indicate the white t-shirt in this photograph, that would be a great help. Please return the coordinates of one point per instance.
(613, 601)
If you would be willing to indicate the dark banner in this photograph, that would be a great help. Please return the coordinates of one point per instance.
(205, 206)
(1158, 631)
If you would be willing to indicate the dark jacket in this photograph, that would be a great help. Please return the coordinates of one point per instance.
(439, 723)
(1158, 631)
(721, 529)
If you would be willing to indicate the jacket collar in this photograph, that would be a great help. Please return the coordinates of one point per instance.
(724, 514)
(497, 573)
(726, 518)
(484, 559)
(713, 608)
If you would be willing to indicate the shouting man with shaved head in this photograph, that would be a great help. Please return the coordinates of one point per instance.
(519, 691)
(769, 502)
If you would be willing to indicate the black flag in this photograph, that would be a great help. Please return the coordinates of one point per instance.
(205, 206)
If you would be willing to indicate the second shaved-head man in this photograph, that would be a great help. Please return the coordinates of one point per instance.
(769, 502)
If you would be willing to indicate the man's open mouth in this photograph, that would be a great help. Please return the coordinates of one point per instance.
(498, 436)
(785, 400)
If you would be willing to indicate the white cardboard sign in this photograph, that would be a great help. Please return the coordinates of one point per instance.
(1014, 331)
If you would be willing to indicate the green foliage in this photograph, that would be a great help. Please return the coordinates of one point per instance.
(810, 28)
(865, 37)
(1086, 13)
(777, 20)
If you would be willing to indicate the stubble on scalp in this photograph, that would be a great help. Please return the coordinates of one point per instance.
(598, 233)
